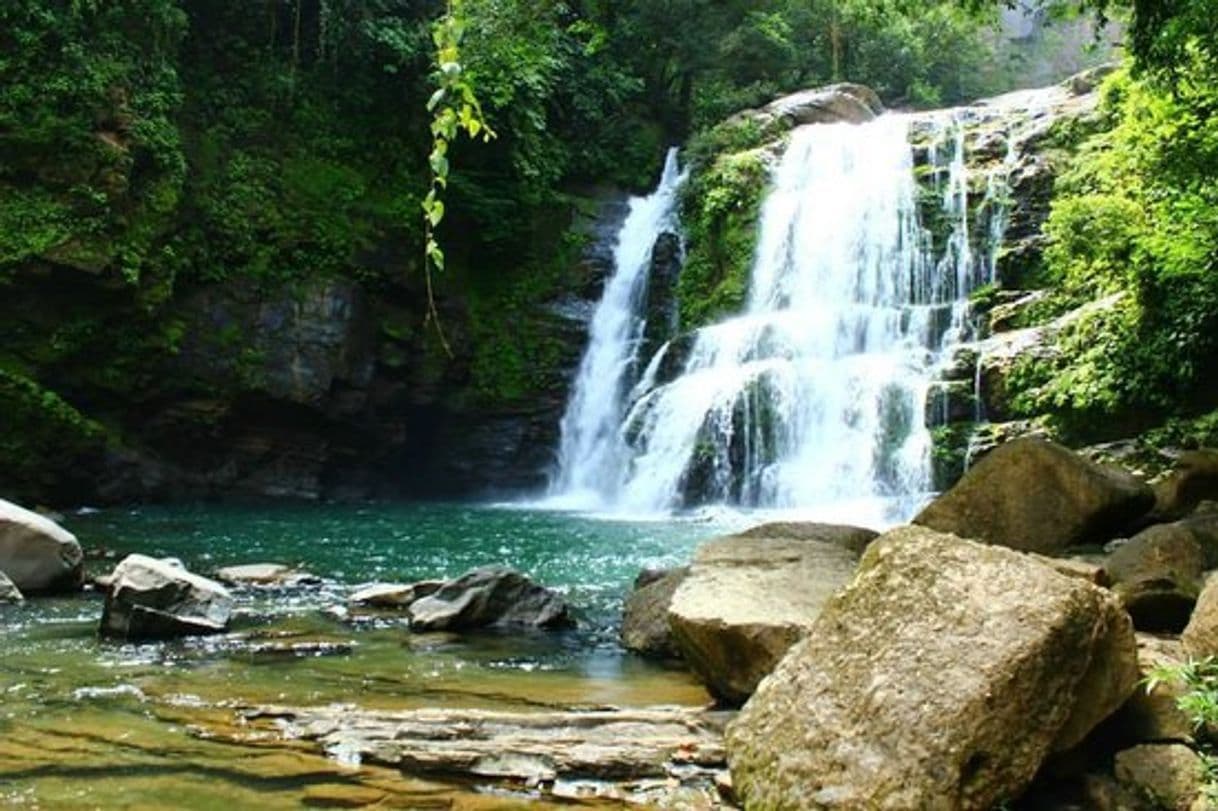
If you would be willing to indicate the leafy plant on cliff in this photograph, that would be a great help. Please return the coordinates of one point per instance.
(720, 210)
(1138, 215)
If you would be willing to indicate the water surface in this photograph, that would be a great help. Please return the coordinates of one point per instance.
(88, 723)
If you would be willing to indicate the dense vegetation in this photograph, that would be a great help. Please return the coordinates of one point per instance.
(153, 150)
(1137, 218)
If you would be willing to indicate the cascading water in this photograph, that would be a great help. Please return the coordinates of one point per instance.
(815, 397)
(592, 452)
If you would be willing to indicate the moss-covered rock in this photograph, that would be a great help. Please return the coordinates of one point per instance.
(721, 209)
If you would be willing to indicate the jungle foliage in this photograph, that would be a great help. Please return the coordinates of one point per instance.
(1137, 217)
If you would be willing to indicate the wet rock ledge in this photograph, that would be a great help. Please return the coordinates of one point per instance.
(663, 756)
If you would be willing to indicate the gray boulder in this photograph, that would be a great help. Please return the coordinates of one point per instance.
(490, 596)
(9, 593)
(941, 678)
(748, 598)
(1036, 496)
(645, 616)
(153, 599)
(38, 555)
(853, 103)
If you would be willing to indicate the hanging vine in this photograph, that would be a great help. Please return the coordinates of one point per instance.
(454, 109)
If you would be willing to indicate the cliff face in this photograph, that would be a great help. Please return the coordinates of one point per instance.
(319, 388)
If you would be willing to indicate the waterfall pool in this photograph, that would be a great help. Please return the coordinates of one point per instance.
(89, 723)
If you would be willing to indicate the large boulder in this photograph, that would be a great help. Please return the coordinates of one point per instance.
(1158, 574)
(749, 598)
(941, 678)
(37, 554)
(1036, 496)
(1153, 712)
(9, 593)
(1200, 637)
(645, 616)
(1170, 776)
(490, 596)
(156, 599)
(1193, 479)
(853, 103)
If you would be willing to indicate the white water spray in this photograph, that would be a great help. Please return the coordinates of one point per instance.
(592, 452)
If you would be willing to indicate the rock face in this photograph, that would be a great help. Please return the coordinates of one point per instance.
(1158, 575)
(749, 598)
(490, 596)
(1033, 495)
(9, 593)
(940, 678)
(153, 599)
(37, 554)
(645, 617)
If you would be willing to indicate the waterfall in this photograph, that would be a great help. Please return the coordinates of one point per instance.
(592, 453)
(814, 398)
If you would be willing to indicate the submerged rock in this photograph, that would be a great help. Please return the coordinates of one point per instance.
(265, 574)
(9, 593)
(394, 595)
(1036, 496)
(941, 678)
(645, 627)
(490, 596)
(37, 554)
(749, 598)
(152, 599)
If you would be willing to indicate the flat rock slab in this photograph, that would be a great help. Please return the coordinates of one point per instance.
(394, 595)
(604, 753)
(748, 598)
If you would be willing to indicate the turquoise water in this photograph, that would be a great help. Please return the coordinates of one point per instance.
(591, 560)
(93, 723)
